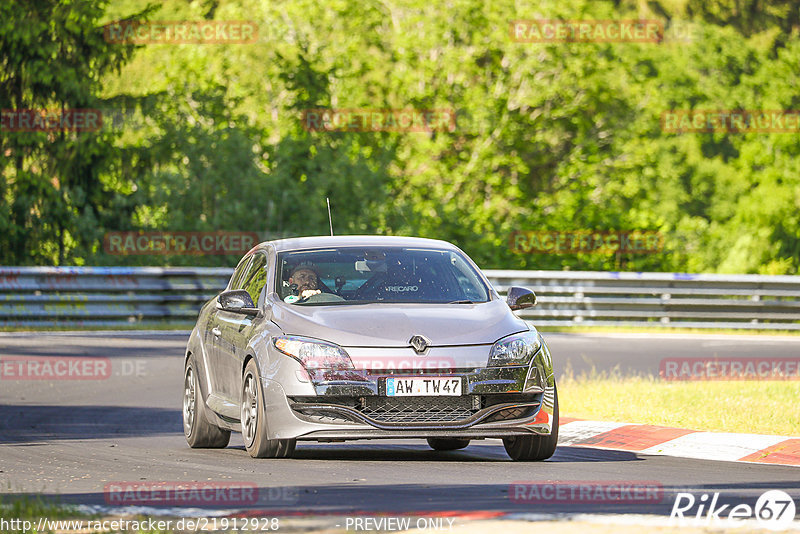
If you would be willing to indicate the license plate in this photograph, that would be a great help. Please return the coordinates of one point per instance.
(425, 387)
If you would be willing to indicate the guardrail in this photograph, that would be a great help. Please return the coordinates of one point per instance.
(570, 298)
(153, 296)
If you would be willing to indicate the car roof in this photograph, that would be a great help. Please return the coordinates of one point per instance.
(299, 243)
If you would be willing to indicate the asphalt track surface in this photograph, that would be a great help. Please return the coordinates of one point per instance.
(70, 439)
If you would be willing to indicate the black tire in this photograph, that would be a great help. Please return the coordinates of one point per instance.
(447, 444)
(535, 448)
(199, 432)
(254, 421)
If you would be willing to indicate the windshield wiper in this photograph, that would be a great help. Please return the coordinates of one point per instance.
(461, 302)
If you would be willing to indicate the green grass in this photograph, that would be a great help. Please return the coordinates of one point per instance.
(746, 406)
(122, 326)
(32, 508)
(664, 330)
(27, 507)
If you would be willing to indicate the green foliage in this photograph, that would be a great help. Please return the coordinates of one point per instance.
(549, 136)
(53, 58)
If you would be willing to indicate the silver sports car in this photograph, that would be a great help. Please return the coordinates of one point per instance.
(361, 337)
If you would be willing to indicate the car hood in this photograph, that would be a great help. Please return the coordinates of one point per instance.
(392, 325)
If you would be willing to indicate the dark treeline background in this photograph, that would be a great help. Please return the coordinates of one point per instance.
(562, 136)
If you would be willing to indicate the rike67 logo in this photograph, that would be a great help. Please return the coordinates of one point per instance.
(774, 509)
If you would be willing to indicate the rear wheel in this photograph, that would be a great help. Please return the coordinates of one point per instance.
(199, 432)
(535, 448)
(254, 424)
(447, 444)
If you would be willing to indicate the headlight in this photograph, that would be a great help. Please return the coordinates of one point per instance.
(516, 349)
(312, 353)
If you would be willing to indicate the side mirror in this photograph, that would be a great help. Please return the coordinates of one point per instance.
(520, 298)
(237, 301)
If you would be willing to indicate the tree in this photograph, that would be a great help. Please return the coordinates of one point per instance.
(53, 57)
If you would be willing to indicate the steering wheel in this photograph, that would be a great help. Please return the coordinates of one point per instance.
(322, 297)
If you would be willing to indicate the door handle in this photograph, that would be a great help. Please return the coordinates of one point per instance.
(216, 331)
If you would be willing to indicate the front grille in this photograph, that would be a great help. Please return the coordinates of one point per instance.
(511, 398)
(509, 414)
(418, 409)
(412, 410)
(326, 416)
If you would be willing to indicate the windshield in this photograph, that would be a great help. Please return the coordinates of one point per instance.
(352, 275)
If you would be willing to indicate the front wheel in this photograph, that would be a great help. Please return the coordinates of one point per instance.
(535, 448)
(254, 424)
(199, 432)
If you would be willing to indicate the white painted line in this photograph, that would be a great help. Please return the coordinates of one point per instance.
(576, 431)
(662, 521)
(667, 335)
(714, 445)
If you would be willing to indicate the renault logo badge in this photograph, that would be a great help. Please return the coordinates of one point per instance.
(419, 343)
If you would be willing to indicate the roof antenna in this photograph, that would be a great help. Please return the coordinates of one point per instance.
(330, 221)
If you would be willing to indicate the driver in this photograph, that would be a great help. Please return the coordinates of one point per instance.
(306, 278)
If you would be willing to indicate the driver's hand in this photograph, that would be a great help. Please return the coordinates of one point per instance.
(309, 292)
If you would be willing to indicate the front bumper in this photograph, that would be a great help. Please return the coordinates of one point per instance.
(329, 405)
(418, 413)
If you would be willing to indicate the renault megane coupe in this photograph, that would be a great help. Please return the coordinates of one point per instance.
(367, 337)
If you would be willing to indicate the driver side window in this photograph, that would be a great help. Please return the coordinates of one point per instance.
(239, 272)
(256, 277)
